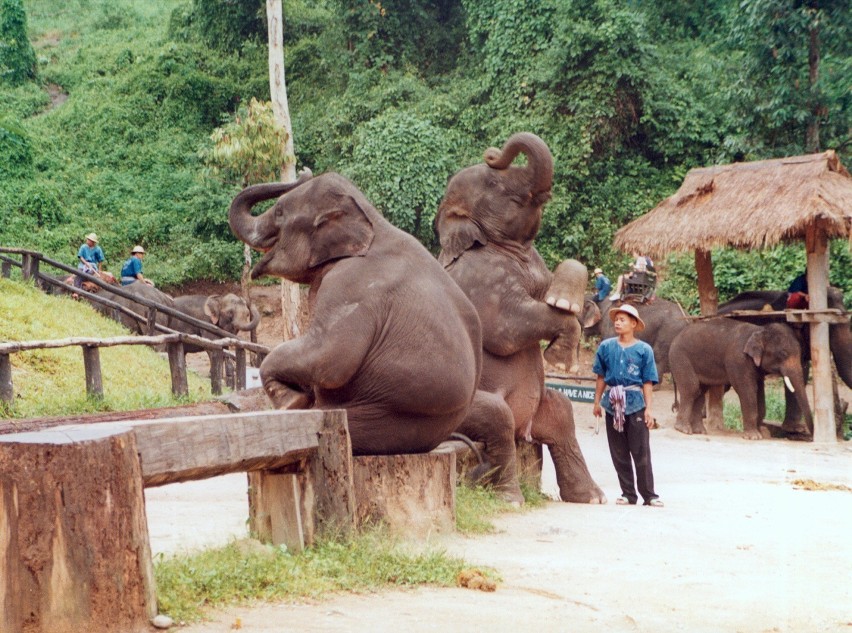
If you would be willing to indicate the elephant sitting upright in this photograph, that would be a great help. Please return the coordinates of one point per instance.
(392, 339)
(486, 223)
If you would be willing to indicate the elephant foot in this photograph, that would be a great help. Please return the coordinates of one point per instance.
(795, 429)
(683, 428)
(563, 304)
(592, 496)
(752, 434)
(699, 429)
(511, 495)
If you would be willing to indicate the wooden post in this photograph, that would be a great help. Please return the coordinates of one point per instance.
(73, 533)
(151, 327)
(92, 365)
(708, 297)
(177, 366)
(817, 247)
(217, 366)
(6, 269)
(7, 390)
(240, 378)
(331, 471)
(29, 267)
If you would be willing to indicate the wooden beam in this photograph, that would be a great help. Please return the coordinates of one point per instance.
(823, 400)
(92, 366)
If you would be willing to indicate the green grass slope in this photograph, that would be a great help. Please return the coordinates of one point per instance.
(52, 381)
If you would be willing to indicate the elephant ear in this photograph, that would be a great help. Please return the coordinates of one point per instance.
(457, 232)
(211, 308)
(342, 231)
(591, 314)
(754, 347)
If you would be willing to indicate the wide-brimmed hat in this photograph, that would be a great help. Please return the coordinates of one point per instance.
(628, 309)
(138, 249)
(92, 237)
(598, 270)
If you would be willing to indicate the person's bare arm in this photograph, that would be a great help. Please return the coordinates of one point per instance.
(647, 392)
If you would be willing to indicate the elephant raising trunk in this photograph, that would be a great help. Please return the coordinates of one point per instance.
(261, 232)
(539, 162)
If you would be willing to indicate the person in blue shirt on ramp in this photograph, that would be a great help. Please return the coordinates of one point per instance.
(131, 270)
(626, 374)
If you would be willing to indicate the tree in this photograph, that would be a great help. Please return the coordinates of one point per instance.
(17, 58)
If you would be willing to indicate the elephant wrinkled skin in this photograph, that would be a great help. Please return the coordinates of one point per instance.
(722, 352)
(486, 223)
(392, 339)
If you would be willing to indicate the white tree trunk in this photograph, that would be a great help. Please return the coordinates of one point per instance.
(290, 303)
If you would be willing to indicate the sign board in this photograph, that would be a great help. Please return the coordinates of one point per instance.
(575, 393)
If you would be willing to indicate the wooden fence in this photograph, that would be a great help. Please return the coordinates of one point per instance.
(218, 347)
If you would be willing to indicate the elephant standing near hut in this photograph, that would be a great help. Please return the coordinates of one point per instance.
(486, 222)
(722, 352)
(392, 339)
(839, 335)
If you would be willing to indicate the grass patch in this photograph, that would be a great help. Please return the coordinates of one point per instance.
(52, 381)
(477, 506)
(236, 574)
(775, 406)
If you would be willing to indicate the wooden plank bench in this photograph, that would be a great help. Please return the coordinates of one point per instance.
(73, 532)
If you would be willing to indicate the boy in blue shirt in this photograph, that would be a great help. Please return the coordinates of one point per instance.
(131, 270)
(626, 375)
(602, 285)
(90, 257)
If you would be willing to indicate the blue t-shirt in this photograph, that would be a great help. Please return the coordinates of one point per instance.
(633, 365)
(603, 286)
(131, 267)
(93, 255)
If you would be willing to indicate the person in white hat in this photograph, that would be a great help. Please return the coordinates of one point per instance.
(602, 285)
(131, 270)
(626, 374)
(90, 257)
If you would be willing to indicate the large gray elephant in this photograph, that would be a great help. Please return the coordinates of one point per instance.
(722, 352)
(840, 339)
(663, 322)
(228, 312)
(378, 300)
(486, 223)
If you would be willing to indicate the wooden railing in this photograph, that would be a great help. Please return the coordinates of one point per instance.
(218, 347)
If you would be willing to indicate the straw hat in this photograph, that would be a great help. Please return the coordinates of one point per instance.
(92, 237)
(628, 309)
(598, 270)
(138, 249)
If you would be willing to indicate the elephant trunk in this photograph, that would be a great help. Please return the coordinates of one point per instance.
(793, 375)
(259, 232)
(539, 159)
(255, 319)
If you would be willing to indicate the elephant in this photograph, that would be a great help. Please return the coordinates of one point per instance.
(840, 339)
(566, 292)
(486, 223)
(561, 351)
(228, 312)
(663, 322)
(378, 300)
(724, 352)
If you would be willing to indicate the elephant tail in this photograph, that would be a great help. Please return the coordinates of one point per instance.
(675, 405)
(471, 444)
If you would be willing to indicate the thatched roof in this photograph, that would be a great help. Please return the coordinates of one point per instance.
(748, 206)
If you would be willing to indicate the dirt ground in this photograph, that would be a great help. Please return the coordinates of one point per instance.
(738, 547)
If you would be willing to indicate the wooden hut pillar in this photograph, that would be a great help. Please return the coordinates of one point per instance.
(708, 297)
(816, 243)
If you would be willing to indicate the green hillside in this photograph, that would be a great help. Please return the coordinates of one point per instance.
(109, 133)
(52, 381)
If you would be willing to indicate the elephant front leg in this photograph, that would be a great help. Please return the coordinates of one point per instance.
(283, 393)
(563, 352)
(750, 410)
(490, 420)
(553, 426)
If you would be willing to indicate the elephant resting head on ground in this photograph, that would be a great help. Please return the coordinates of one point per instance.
(487, 221)
(392, 339)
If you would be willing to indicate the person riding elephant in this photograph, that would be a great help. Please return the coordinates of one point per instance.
(391, 339)
(839, 336)
(486, 223)
(663, 321)
(723, 351)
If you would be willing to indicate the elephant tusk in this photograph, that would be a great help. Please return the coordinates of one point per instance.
(789, 384)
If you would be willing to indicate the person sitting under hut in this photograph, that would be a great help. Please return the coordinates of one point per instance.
(131, 271)
(797, 293)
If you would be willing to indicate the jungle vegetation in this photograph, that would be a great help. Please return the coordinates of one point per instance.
(108, 130)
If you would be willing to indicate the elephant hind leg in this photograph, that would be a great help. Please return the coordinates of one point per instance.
(490, 420)
(553, 426)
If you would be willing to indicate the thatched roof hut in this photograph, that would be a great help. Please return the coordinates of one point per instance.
(748, 206)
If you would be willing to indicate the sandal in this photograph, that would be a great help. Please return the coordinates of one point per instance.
(655, 503)
(622, 501)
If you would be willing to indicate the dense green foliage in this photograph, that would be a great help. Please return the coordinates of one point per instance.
(399, 95)
(17, 58)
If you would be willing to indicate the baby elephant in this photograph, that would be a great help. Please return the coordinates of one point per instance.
(732, 353)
